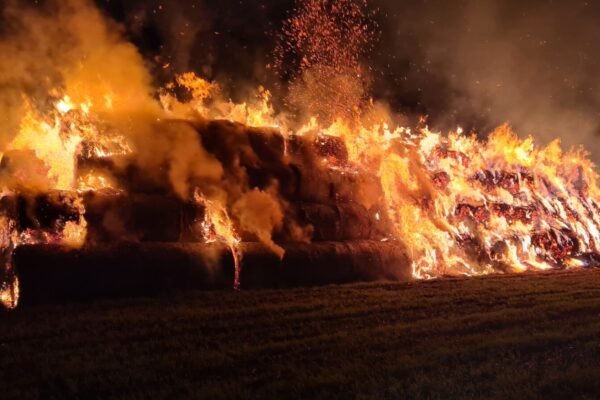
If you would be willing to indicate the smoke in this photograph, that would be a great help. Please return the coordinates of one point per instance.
(259, 213)
(51, 50)
(68, 45)
(475, 63)
(69, 48)
(472, 63)
(481, 63)
(176, 145)
(23, 171)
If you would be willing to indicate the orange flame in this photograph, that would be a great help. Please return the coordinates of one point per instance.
(9, 294)
(218, 227)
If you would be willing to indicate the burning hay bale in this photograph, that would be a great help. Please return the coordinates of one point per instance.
(141, 238)
(342, 221)
(41, 211)
(123, 176)
(141, 225)
(139, 217)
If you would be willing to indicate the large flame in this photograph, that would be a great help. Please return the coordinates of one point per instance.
(465, 206)
(217, 226)
(9, 293)
(461, 205)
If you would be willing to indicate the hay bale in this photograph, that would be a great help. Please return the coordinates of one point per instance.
(139, 217)
(339, 221)
(50, 273)
(45, 211)
(56, 274)
(320, 184)
(309, 264)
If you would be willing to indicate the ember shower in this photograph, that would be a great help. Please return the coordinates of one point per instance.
(88, 141)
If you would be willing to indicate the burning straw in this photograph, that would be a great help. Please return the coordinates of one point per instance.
(92, 154)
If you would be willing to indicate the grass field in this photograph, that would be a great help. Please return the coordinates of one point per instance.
(525, 336)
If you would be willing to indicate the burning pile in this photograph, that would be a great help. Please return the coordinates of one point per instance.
(470, 207)
(96, 156)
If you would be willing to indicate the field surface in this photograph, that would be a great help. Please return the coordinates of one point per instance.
(524, 336)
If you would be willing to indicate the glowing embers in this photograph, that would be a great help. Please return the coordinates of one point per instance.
(468, 207)
(93, 181)
(9, 292)
(56, 217)
(9, 283)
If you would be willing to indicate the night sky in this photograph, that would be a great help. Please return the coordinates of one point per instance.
(471, 63)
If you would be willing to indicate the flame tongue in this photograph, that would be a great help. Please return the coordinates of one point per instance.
(218, 227)
(9, 293)
(464, 206)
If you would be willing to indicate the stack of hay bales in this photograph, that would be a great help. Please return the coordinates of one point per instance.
(144, 239)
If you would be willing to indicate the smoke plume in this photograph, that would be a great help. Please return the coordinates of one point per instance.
(479, 64)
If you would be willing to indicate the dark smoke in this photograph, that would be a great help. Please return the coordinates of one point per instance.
(481, 63)
(474, 63)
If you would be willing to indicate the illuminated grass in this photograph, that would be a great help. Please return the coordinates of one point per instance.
(535, 336)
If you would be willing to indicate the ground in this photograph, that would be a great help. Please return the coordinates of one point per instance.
(519, 336)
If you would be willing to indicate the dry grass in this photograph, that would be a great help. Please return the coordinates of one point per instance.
(527, 336)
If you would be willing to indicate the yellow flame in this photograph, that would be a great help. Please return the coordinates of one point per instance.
(9, 294)
(75, 233)
(218, 227)
(94, 181)
(461, 205)
(44, 139)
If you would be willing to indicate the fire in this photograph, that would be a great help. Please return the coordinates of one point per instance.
(64, 105)
(502, 204)
(92, 181)
(206, 101)
(74, 232)
(258, 113)
(9, 294)
(459, 204)
(43, 136)
(465, 206)
(218, 227)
